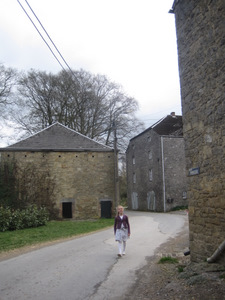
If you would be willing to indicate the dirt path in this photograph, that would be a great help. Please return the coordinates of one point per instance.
(155, 281)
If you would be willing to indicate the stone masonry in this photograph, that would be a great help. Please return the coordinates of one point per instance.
(156, 177)
(77, 171)
(200, 26)
(83, 178)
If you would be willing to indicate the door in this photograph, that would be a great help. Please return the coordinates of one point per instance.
(134, 199)
(106, 209)
(67, 210)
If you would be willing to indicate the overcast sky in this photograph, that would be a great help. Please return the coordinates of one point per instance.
(132, 42)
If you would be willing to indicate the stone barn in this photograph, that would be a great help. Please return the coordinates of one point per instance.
(200, 26)
(78, 170)
(156, 175)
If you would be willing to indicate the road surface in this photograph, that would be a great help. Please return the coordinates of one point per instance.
(87, 267)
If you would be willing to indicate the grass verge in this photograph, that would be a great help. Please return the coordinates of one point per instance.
(54, 230)
(168, 259)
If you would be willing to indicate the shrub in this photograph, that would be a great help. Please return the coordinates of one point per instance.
(24, 186)
(19, 219)
(5, 218)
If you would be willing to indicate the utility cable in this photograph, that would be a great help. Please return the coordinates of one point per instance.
(41, 35)
(49, 37)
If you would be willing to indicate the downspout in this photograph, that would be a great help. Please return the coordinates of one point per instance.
(217, 253)
(163, 176)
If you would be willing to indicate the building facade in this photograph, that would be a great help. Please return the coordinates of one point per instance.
(156, 178)
(80, 171)
(201, 52)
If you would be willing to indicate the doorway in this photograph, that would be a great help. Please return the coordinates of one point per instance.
(67, 210)
(106, 209)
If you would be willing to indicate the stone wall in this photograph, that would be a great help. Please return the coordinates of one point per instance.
(82, 178)
(155, 188)
(174, 172)
(200, 26)
(138, 164)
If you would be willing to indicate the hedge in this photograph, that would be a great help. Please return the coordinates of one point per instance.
(32, 216)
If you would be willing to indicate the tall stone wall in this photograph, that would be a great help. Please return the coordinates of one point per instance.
(139, 163)
(82, 178)
(200, 26)
(158, 166)
(174, 166)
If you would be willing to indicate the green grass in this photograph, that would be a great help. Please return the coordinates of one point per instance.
(176, 208)
(54, 230)
(180, 269)
(168, 259)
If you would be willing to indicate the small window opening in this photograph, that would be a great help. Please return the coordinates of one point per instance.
(150, 174)
(134, 178)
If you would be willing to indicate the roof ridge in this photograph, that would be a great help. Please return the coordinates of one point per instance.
(83, 135)
(33, 134)
(159, 121)
(92, 141)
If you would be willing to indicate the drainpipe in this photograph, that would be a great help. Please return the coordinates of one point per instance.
(163, 176)
(217, 253)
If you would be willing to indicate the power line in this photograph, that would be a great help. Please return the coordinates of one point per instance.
(47, 36)
(40, 34)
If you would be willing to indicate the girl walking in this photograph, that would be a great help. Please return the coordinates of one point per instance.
(121, 230)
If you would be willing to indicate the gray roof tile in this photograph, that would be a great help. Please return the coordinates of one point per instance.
(58, 137)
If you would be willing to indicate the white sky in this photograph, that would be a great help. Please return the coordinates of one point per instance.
(132, 42)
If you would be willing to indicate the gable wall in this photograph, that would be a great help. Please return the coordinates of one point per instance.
(138, 165)
(201, 48)
(83, 178)
(150, 193)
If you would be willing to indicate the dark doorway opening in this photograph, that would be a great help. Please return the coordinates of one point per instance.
(67, 210)
(106, 209)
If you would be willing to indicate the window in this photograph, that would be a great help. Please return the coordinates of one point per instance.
(133, 160)
(150, 154)
(149, 138)
(134, 178)
(150, 174)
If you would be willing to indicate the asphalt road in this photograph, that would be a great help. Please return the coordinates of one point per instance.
(87, 267)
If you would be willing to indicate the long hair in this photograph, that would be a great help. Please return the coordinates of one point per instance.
(119, 206)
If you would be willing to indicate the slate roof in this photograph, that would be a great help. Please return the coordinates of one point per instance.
(57, 137)
(171, 125)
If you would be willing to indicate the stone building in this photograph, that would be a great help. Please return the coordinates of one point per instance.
(200, 26)
(81, 171)
(156, 178)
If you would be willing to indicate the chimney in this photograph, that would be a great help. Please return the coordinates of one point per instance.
(173, 114)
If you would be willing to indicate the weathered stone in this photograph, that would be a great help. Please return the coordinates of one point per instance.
(201, 50)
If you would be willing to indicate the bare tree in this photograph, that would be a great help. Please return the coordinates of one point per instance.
(87, 103)
(7, 82)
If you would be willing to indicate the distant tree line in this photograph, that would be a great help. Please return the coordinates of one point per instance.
(89, 104)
